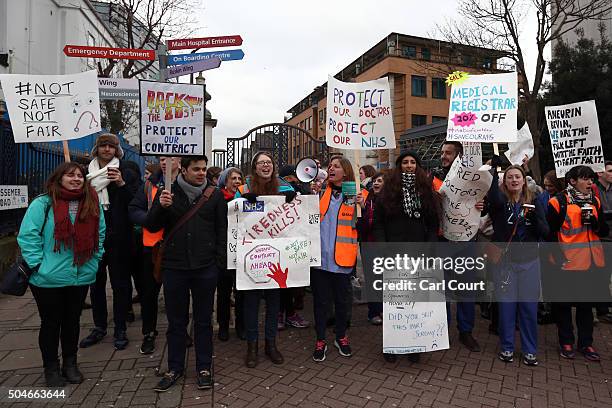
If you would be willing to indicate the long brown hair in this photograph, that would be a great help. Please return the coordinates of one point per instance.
(90, 198)
(259, 186)
(526, 196)
(391, 196)
(347, 167)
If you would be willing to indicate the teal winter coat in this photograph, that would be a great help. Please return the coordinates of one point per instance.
(56, 269)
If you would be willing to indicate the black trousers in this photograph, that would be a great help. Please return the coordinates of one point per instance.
(149, 294)
(116, 258)
(177, 286)
(330, 288)
(289, 297)
(584, 322)
(60, 315)
(225, 286)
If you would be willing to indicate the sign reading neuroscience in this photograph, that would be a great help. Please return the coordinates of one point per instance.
(359, 115)
(483, 108)
(463, 187)
(574, 136)
(49, 108)
(171, 119)
(271, 218)
(522, 147)
(12, 197)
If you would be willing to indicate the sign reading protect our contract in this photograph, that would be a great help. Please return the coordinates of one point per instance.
(51, 108)
(171, 119)
(483, 108)
(13, 197)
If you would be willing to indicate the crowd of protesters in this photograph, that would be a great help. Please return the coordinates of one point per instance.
(83, 228)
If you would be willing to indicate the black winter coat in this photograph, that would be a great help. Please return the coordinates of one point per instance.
(201, 241)
(402, 228)
(139, 206)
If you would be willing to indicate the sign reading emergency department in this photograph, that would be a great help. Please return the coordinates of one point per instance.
(359, 115)
(483, 108)
(50, 108)
(109, 52)
(171, 119)
(12, 197)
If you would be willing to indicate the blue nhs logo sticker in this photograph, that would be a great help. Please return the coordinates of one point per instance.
(257, 206)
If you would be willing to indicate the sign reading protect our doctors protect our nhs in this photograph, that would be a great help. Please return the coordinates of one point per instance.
(227, 55)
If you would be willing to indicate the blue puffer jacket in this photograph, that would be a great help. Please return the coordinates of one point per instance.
(56, 268)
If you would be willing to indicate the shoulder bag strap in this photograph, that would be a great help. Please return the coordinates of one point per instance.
(205, 197)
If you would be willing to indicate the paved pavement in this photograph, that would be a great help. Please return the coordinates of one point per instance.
(453, 377)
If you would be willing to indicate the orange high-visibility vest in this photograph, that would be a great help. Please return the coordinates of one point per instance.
(345, 250)
(579, 244)
(149, 239)
(437, 184)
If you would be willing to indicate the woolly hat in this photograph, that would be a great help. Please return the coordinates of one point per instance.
(223, 176)
(108, 139)
(398, 161)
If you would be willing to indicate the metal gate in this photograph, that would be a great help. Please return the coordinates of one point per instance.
(287, 144)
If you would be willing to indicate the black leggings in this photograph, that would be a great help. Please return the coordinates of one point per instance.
(60, 315)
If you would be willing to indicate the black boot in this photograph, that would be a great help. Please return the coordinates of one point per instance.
(70, 371)
(251, 356)
(53, 378)
(272, 352)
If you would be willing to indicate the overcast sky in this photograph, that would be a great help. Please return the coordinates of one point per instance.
(291, 47)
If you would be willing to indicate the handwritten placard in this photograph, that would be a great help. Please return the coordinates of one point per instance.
(483, 108)
(522, 147)
(359, 115)
(171, 119)
(49, 108)
(574, 136)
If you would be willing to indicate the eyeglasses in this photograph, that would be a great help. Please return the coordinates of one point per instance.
(264, 163)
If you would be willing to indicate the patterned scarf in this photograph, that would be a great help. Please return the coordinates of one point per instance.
(411, 200)
(579, 198)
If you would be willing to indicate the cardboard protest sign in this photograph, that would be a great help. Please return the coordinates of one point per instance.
(273, 263)
(483, 108)
(13, 197)
(414, 327)
(272, 218)
(50, 108)
(574, 136)
(522, 147)
(463, 187)
(472, 154)
(359, 115)
(171, 119)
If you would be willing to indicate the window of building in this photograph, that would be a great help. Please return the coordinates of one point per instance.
(309, 123)
(435, 119)
(487, 63)
(426, 53)
(418, 86)
(409, 51)
(419, 120)
(301, 124)
(438, 88)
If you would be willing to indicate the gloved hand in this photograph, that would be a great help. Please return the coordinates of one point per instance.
(250, 197)
(496, 161)
(289, 196)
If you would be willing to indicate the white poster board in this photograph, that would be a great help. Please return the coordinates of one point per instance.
(472, 154)
(483, 108)
(574, 136)
(272, 218)
(414, 327)
(171, 119)
(13, 197)
(50, 108)
(463, 187)
(522, 147)
(359, 115)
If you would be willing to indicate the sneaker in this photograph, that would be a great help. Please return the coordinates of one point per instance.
(95, 336)
(506, 356)
(148, 344)
(590, 353)
(567, 351)
(530, 359)
(376, 320)
(205, 380)
(167, 381)
(320, 350)
(344, 346)
(280, 325)
(121, 340)
(297, 321)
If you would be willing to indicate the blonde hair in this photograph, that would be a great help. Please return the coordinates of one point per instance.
(526, 196)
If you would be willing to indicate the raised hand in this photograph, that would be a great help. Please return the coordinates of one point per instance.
(278, 275)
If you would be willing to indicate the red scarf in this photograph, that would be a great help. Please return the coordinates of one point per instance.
(227, 195)
(82, 236)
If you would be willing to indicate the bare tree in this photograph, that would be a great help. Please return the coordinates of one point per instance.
(498, 24)
(141, 24)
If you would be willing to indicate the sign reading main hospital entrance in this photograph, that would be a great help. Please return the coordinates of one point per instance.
(359, 115)
(171, 119)
(205, 42)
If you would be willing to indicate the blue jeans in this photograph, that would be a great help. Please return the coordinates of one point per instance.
(251, 312)
(466, 313)
(178, 284)
(519, 292)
